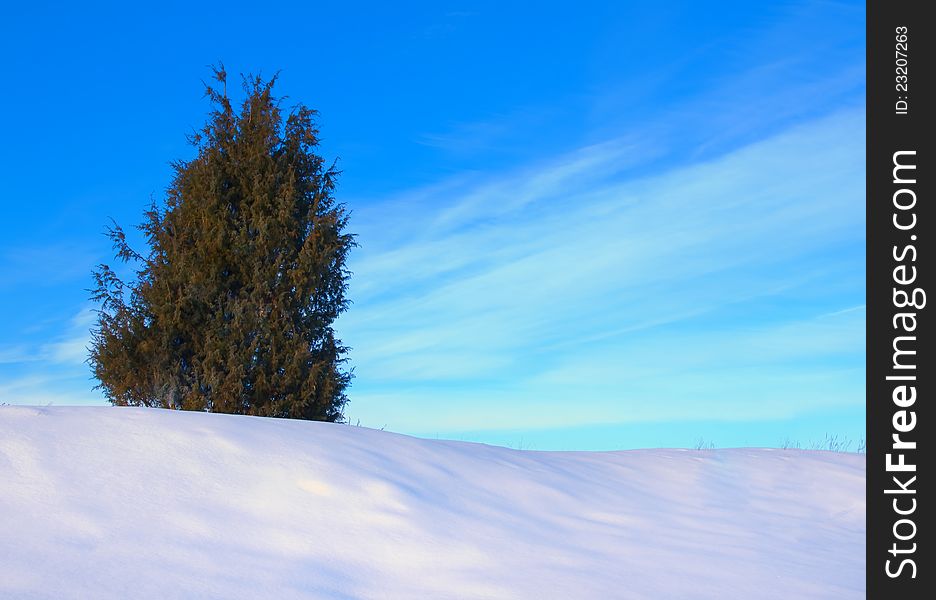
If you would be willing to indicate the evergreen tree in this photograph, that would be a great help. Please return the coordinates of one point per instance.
(232, 308)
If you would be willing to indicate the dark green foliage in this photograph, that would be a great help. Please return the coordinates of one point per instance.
(233, 306)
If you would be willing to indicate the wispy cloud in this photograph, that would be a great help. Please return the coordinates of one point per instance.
(18, 353)
(50, 372)
(546, 288)
(68, 348)
(72, 347)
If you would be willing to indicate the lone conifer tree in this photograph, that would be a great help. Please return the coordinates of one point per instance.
(233, 306)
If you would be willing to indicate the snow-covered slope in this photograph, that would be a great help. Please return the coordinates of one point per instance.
(135, 503)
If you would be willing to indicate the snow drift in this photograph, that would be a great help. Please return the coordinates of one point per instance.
(137, 503)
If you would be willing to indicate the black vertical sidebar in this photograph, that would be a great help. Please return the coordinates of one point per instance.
(900, 371)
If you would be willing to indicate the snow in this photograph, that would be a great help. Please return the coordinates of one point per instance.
(104, 502)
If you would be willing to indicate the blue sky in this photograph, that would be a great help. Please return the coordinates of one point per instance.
(591, 225)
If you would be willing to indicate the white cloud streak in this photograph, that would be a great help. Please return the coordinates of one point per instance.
(532, 289)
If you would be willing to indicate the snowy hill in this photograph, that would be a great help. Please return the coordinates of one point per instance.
(136, 503)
